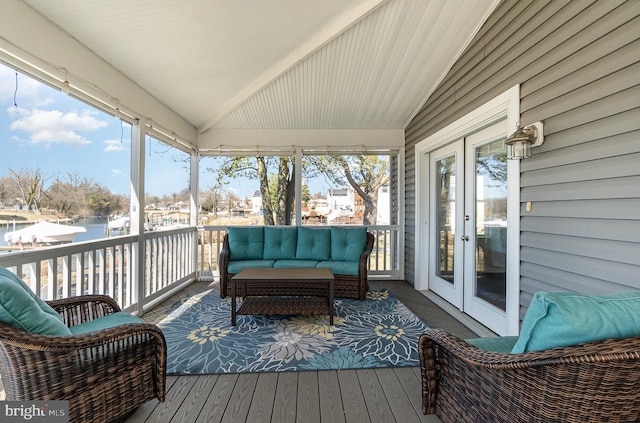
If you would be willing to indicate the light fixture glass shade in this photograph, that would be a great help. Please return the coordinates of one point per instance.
(519, 149)
(519, 143)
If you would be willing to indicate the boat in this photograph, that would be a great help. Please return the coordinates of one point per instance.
(44, 233)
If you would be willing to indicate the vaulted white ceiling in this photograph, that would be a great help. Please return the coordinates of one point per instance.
(278, 64)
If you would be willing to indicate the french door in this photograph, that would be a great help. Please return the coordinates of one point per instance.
(468, 225)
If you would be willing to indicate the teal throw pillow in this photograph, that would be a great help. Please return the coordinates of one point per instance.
(19, 309)
(347, 244)
(313, 244)
(560, 319)
(246, 243)
(43, 305)
(280, 243)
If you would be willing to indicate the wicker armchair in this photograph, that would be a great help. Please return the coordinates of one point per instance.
(594, 382)
(104, 374)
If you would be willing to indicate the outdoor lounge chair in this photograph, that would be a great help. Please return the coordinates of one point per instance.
(108, 364)
(493, 380)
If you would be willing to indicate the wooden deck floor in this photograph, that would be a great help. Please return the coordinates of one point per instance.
(350, 396)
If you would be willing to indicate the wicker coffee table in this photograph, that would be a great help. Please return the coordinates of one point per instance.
(283, 291)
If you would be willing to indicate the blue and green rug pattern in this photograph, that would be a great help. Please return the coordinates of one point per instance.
(378, 332)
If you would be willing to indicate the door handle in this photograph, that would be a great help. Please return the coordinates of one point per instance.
(465, 237)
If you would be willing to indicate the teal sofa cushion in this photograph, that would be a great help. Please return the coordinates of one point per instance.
(280, 243)
(236, 266)
(347, 243)
(559, 319)
(19, 308)
(341, 267)
(112, 320)
(499, 344)
(246, 243)
(313, 244)
(295, 264)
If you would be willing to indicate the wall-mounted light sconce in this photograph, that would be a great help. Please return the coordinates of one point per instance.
(519, 144)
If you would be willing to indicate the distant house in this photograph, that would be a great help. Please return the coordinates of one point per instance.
(256, 203)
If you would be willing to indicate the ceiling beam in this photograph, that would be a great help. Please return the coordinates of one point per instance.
(314, 44)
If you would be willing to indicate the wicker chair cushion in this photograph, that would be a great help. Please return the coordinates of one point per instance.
(19, 309)
(560, 319)
(246, 243)
(280, 243)
(313, 244)
(43, 305)
(112, 320)
(347, 243)
(341, 267)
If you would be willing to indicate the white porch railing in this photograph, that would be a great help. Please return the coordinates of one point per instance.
(170, 260)
(108, 266)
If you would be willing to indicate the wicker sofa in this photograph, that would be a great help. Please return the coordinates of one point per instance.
(105, 362)
(484, 380)
(343, 249)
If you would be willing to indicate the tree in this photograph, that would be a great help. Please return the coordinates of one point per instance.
(277, 209)
(366, 174)
(31, 187)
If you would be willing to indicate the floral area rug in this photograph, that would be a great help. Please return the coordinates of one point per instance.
(378, 332)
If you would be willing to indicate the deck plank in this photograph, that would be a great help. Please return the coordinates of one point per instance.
(308, 409)
(397, 398)
(261, 408)
(331, 407)
(194, 403)
(241, 398)
(218, 399)
(412, 386)
(143, 412)
(379, 409)
(165, 411)
(355, 407)
(285, 402)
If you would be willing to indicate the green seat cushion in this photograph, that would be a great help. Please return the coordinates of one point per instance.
(235, 266)
(246, 243)
(341, 267)
(43, 305)
(280, 243)
(19, 309)
(347, 244)
(112, 320)
(313, 244)
(295, 264)
(499, 344)
(560, 319)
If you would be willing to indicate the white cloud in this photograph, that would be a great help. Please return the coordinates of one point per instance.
(54, 126)
(114, 145)
(116, 172)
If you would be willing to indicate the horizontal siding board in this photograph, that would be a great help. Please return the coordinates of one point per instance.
(566, 80)
(599, 249)
(610, 229)
(615, 104)
(586, 49)
(602, 189)
(609, 271)
(622, 209)
(607, 168)
(618, 145)
(622, 84)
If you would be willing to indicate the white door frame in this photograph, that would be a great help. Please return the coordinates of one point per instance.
(506, 105)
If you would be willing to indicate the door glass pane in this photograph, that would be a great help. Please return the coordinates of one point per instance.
(445, 215)
(491, 223)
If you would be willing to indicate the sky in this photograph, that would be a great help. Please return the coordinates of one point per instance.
(43, 129)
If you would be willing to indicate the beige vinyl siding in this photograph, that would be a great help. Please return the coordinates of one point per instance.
(578, 66)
